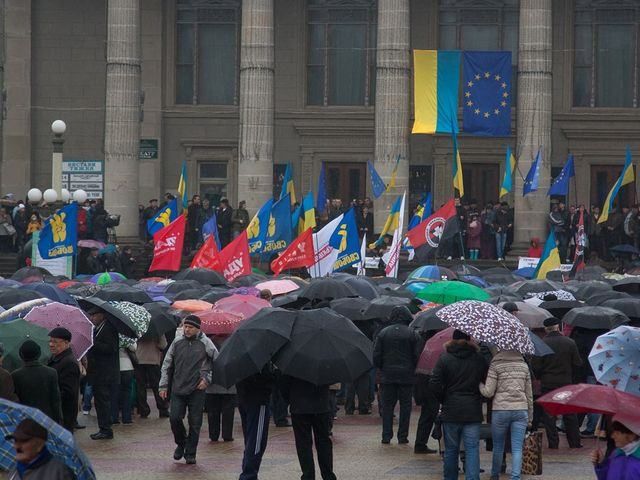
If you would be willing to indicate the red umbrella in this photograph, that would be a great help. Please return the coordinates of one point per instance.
(191, 305)
(585, 398)
(243, 305)
(217, 322)
(432, 351)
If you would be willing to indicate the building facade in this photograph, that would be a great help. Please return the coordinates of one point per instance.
(240, 88)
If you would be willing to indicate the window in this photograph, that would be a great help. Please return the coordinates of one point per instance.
(419, 184)
(212, 181)
(481, 25)
(207, 52)
(341, 55)
(605, 62)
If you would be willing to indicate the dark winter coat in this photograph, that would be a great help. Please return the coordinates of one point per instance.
(188, 360)
(7, 390)
(103, 361)
(557, 370)
(68, 371)
(305, 398)
(37, 386)
(395, 352)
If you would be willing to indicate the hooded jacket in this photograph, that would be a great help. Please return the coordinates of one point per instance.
(188, 361)
(455, 380)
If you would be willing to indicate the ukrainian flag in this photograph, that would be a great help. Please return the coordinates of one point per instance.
(394, 174)
(393, 220)
(436, 76)
(287, 185)
(550, 259)
(182, 185)
(458, 181)
(308, 211)
(509, 168)
(627, 176)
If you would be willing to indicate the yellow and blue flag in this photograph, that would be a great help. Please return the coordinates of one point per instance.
(287, 185)
(297, 222)
(346, 241)
(509, 168)
(626, 176)
(561, 183)
(59, 237)
(458, 179)
(436, 77)
(163, 217)
(182, 185)
(377, 184)
(423, 211)
(278, 235)
(486, 108)
(257, 228)
(394, 175)
(391, 224)
(550, 258)
(308, 212)
(533, 175)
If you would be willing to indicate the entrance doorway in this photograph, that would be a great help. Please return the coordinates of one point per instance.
(346, 181)
(603, 177)
(481, 182)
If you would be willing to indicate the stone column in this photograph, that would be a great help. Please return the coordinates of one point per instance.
(255, 168)
(533, 117)
(392, 101)
(122, 113)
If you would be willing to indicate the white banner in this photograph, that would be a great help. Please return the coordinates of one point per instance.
(325, 254)
(524, 262)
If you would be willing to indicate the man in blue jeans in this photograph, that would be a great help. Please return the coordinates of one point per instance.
(454, 382)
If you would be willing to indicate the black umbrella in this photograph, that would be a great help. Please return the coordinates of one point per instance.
(83, 289)
(201, 275)
(628, 285)
(290, 301)
(252, 345)
(428, 320)
(162, 321)
(401, 292)
(180, 285)
(190, 294)
(363, 287)
(382, 280)
(595, 318)
(541, 349)
(583, 291)
(10, 297)
(326, 288)
(600, 298)
(465, 269)
(503, 298)
(31, 274)
(116, 317)
(381, 307)
(215, 294)
(501, 278)
(536, 286)
(592, 272)
(496, 290)
(249, 280)
(325, 348)
(625, 249)
(119, 292)
(352, 308)
(629, 306)
(559, 308)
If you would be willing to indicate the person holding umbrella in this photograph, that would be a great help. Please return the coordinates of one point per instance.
(65, 364)
(187, 368)
(624, 462)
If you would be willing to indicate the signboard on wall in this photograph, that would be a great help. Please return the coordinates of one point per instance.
(148, 149)
(87, 175)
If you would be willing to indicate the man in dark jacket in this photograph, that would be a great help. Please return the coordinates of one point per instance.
(65, 364)
(224, 216)
(186, 371)
(455, 381)
(7, 390)
(36, 384)
(103, 369)
(194, 222)
(395, 353)
(556, 371)
(311, 417)
(502, 223)
(239, 219)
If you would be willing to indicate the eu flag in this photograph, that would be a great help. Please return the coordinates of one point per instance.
(487, 94)
(164, 217)
(378, 186)
(59, 236)
(345, 239)
(533, 176)
(279, 227)
(561, 183)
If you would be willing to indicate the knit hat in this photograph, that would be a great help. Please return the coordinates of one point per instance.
(192, 320)
(510, 307)
(29, 351)
(550, 322)
(458, 335)
(400, 314)
(61, 333)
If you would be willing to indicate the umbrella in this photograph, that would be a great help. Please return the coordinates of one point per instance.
(559, 308)
(531, 316)
(241, 305)
(325, 348)
(428, 320)
(177, 286)
(215, 294)
(21, 309)
(525, 272)
(278, 287)
(415, 286)
(192, 305)
(600, 298)
(290, 301)
(381, 307)
(161, 322)
(629, 285)
(14, 334)
(139, 318)
(488, 323)
(615, 358)
(217, 322)
(8, 283)
(496, 290)
(60, 442)
(559, 294)
(107, 277)
(473, 280)
(30, 274)
(251, 291)
(52, 292)
(82, 289)
(252, 345)
(201, 275)
(362, 286)
(503, 298)
(12, 296)
(432, 272)
(120, 292)
(450, 292)
(595, 318)
(352, 308)
(465, 269)
(535, 286)
(91, 244)
(326, 288)
(397, 291)
(629, 306)
(625, 249)
(189, 294)
(586, 398)
(72, 318)
(585, 290)
(119, 319)
(541, 349)
(501, 278)
(250, 279)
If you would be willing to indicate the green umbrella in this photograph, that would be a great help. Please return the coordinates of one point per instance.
(14, 333)
(450, 292)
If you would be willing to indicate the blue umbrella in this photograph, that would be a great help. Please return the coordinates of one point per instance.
(60, 442)
(432, 272)
(541, 349)
(615, 358)
(525, 272)
(415, 287)
(51, 292)
(474, 280)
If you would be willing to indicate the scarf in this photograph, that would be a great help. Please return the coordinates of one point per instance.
(42, 457)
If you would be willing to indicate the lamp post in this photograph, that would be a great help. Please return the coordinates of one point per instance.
(58, 128)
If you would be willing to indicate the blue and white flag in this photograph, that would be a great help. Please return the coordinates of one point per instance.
(346, 241)
(59, 237)
(164, 217)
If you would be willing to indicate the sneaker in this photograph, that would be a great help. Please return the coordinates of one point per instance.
(178, 452)
(85, 412)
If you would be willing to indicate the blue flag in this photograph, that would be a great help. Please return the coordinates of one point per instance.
(164, 217)
(59, 237)
(378, 186)
(423, 211)
(321, 203)
(486, 102)
(533, 176)
(257, 228)
(211, 228)
(561, 183)
(278, 235)
(345, 240)
(295, 219)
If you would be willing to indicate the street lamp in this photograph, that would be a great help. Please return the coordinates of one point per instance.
(58, 128)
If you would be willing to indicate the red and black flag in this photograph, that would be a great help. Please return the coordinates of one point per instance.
(426, 237)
